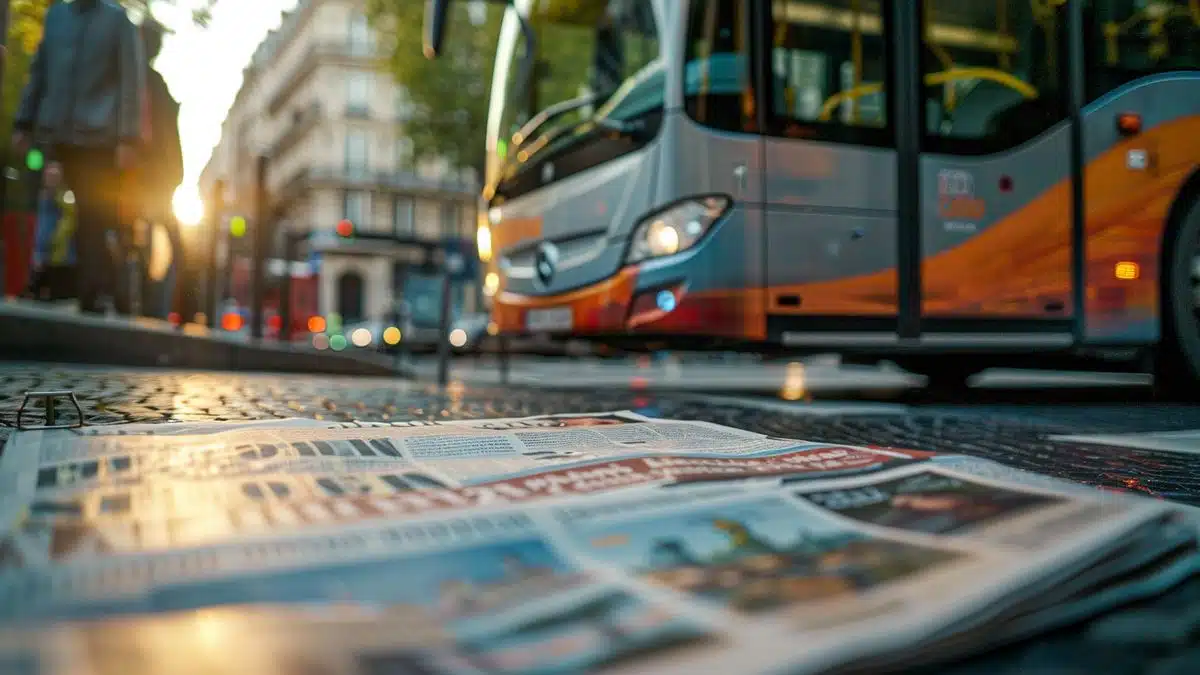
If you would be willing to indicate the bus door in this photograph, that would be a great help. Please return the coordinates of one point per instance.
(996, 232)
(831, 254)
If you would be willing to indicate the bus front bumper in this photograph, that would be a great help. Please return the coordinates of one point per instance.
(638, 302)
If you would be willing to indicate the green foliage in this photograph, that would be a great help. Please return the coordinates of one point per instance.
(449, 95)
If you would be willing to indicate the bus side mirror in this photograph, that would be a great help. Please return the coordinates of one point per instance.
(436, 14)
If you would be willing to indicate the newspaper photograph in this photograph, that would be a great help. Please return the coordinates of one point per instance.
(930, 502)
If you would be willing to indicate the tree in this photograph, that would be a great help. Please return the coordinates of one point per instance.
(449, 96)
(26, 18)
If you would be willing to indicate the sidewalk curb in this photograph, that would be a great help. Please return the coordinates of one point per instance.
(31, 333)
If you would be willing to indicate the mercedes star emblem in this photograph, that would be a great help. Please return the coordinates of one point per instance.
(544, 263)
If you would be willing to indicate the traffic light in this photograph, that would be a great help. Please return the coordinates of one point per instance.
(237, 227)
(35, 160)
(345, 228)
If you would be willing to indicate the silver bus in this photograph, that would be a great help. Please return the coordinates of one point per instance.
(945, 182)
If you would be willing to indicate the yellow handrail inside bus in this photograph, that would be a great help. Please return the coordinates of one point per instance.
(1012, 82)
(1156, 16)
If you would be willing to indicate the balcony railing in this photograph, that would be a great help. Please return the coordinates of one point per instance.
(306, 119)
(327, 50)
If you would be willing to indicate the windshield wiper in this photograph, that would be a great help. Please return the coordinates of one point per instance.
(553, 112)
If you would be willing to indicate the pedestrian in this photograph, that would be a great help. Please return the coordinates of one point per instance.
(53, 251)
(160, 171)
(83, 103)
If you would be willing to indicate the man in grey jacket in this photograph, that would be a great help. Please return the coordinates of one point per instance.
(84, 106)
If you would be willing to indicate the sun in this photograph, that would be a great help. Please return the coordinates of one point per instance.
(188, 207)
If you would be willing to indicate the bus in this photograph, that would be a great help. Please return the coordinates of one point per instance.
(947, 183)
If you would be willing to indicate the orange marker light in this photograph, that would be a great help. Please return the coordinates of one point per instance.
(1127, 271)
(1129, 124)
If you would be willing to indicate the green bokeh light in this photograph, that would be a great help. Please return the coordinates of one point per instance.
(333, 323)
(237, 226)
(35, 160)
(502, 148)
(337, 343)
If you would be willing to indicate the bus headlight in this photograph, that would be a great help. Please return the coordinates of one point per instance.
(676, 228)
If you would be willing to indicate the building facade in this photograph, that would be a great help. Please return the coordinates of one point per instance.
(316, 103)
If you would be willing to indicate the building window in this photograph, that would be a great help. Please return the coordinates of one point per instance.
(404, 153)
(450, 222)
(350, 297)
(356, 153)
(354, 207)
(358, 94)
(404, 217)
(360, 41)
(1017, 80)
(829, 82)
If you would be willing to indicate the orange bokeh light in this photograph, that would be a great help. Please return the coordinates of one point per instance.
(231, 322)
(345, 228)
(316, 324)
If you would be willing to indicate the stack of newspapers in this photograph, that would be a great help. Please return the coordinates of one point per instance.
(553, 544)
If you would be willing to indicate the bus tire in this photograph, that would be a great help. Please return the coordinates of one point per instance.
(1177, 362)
(945, 374)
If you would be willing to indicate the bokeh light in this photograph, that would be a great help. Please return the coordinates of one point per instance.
(333, 323)
(316, 324)
(320, 341)
(391, 335)
(458, 337)
(337, 343)
(237, 227)
(188, 207)
(361, 337)
(231, 321)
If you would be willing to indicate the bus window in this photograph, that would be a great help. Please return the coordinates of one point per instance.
(993, 71)
(829, 71)
(717, 91)
(592, 59)
(1128, 39)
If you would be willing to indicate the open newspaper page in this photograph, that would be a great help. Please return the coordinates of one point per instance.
(635, 544)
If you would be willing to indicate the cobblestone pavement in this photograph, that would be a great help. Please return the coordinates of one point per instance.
(1022, 436)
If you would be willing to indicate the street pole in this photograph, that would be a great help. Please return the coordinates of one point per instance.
(216, 207)
(285, 291)
(5, 150)
(259, 245)
(453, 266)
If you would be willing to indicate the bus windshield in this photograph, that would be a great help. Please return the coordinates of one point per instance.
(591, 58)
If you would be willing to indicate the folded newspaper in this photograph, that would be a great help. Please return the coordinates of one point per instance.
(552, 544)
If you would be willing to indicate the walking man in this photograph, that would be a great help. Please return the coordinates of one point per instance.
(83, 103)
(159, 173)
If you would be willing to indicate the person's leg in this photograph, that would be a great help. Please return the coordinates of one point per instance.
(92, 177)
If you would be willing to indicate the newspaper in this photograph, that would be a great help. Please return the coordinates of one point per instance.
(485, 546)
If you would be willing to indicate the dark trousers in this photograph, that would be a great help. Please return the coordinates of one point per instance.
(92, 175)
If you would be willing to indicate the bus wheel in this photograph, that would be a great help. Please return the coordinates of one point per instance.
(945, 373)
(1177, 363)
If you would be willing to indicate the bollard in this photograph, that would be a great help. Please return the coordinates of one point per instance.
(503, 360)
(216, 207)
(261, 234)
